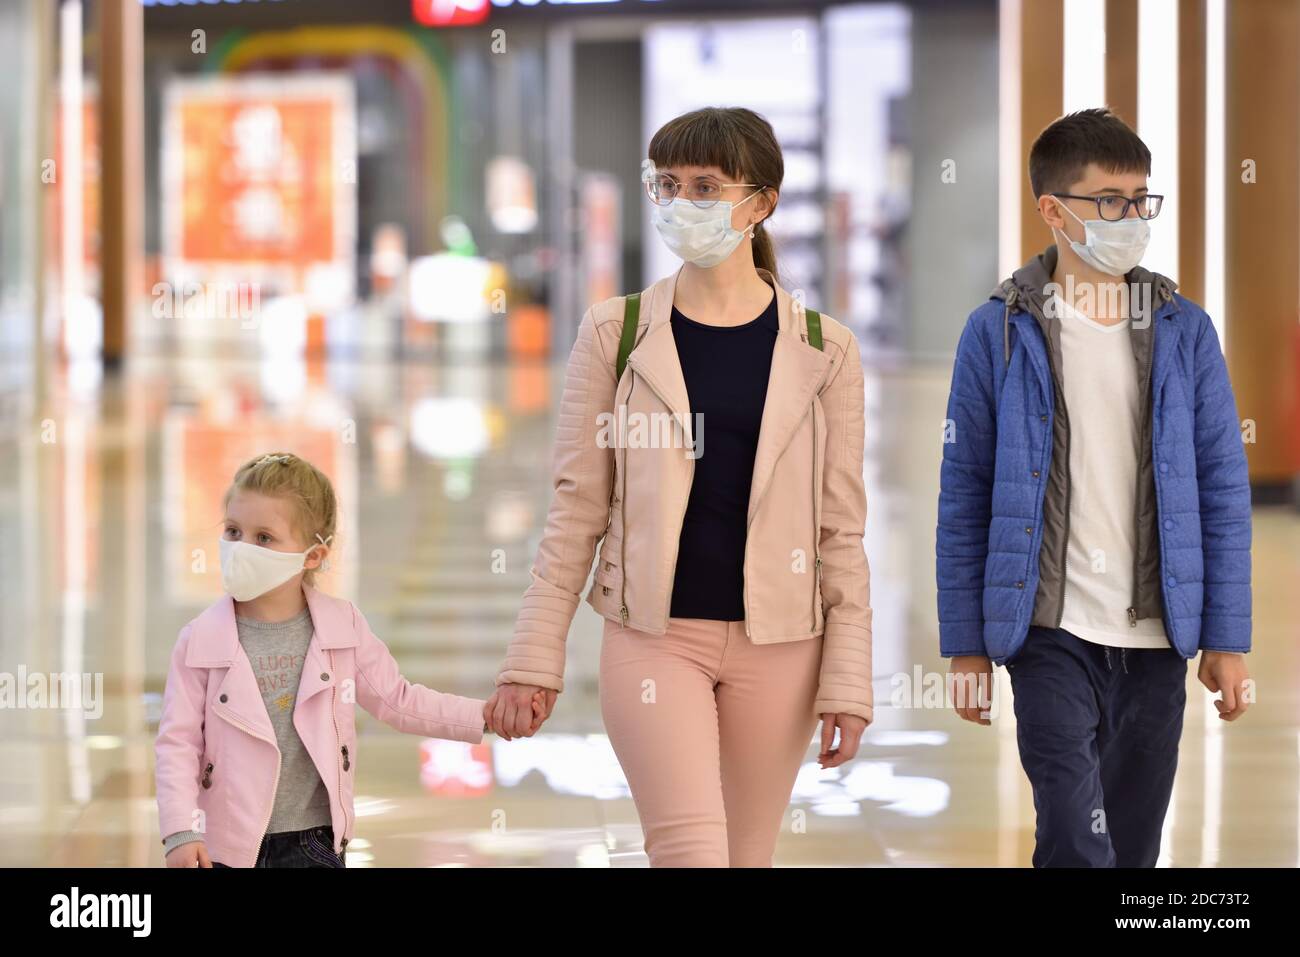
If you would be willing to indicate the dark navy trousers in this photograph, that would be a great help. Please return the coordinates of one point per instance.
(313, 847)
(1098, 730)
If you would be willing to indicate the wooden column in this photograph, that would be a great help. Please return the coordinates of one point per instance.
(121, 108)
(1042, 91)
(1122, 59)
(1191, 150)
(1262, 233)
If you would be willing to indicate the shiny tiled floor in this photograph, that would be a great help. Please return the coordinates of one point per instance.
(109, 505)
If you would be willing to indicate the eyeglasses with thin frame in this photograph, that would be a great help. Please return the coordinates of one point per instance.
(704, 191)
(1115, 208)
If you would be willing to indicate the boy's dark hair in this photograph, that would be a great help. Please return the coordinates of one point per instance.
(1065, 148)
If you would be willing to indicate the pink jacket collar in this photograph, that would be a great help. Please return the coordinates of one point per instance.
(214, 639)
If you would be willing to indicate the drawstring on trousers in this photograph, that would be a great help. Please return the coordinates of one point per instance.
(1123, 659)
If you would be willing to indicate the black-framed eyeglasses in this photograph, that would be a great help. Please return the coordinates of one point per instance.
(1114, 208)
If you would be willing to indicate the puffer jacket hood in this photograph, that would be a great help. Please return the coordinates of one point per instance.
(1026, 287)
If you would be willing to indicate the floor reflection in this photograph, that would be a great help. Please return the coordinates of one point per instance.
(109, 518)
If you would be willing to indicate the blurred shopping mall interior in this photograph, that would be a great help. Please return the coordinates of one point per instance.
(366, 232)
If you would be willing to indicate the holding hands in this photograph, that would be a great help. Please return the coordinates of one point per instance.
(517, 711)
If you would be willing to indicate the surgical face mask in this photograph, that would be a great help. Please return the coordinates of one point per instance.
(1111, 247)
(249, 571)
(704, 237)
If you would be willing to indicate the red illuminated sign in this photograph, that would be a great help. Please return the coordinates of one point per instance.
(449, 13)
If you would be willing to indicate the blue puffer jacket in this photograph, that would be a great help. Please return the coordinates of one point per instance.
(996, 503)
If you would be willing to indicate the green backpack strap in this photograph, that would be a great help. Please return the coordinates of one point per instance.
(814, 329)
(631, 313)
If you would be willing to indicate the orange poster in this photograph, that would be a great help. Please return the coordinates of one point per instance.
(259, 176)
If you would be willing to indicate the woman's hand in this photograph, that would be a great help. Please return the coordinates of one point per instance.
(517, 711)
(851, 727)
(191, 854)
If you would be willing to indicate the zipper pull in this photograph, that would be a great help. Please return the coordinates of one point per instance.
(346, 763)
(1132, 618)
(207, 775)
(623, 612)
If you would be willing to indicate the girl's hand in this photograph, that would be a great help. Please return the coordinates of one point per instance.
(547, 697)
(851, 727)
(517, 711)
(193, 854)
(540, 712)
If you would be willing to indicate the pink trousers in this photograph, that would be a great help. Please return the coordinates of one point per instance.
(710, 729)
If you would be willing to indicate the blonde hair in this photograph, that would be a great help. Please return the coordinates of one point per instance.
(285, 475)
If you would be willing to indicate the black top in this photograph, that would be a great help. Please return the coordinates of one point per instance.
(726, 370)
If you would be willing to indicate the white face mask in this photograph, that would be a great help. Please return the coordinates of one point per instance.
(1111, 247)
(704, 237)
(249, 571)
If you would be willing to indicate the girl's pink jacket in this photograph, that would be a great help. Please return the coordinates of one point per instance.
(217, 759)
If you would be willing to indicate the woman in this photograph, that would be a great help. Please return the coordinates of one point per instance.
(733, 583)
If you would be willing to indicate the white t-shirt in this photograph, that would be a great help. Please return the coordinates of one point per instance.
(1103, 399)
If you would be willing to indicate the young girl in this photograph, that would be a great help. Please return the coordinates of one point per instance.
(256, 748)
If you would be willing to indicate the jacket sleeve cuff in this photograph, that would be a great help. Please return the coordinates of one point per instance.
(170, 822)
(537, 651)
(962, 638)
(1219, 633)
(844, 685)
(543, 679)
(466, 723)
(173, 841)
(843, 706)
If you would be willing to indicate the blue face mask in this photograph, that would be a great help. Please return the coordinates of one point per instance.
(1110, 247)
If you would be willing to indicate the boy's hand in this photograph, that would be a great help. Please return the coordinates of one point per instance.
(1226, 671)
(192, 854)
(970, 682)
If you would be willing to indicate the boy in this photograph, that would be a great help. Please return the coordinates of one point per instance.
(1094, 506)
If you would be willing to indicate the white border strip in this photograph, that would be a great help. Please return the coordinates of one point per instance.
(1012, 176)
(1215, 167)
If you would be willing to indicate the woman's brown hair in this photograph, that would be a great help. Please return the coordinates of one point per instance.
(737, 141)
